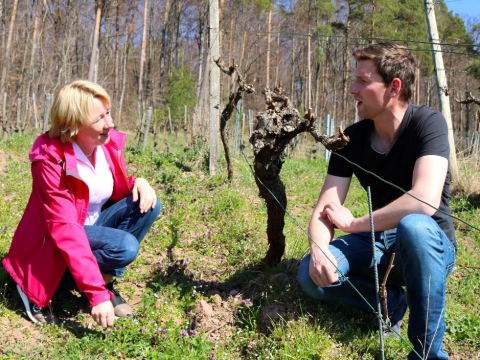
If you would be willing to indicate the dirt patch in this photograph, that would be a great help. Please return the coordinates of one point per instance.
(215, 312)
(13, 332)
(214, 317)
(217, 319)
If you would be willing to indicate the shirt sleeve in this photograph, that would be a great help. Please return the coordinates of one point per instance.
(433, 135)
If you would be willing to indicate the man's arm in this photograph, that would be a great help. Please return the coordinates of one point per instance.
(427, 184)
(321, 230)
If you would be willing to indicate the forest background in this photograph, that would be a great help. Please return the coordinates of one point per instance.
(202, 256)
(155, 53)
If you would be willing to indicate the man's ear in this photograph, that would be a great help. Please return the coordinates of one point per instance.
(396, 86)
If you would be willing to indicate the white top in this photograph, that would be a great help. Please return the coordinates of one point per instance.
(99, 180)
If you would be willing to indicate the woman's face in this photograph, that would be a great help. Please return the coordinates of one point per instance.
(96, 131)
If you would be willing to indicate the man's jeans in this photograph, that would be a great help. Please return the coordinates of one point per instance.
(115, 237)
(424, 257)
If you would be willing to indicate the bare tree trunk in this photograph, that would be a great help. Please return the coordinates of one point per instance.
(150, 84)
(277, 60)
(41, 56)
(125, 56)
(292, 71)
(143, 54)
(201, 92)
(23, 80)
(269, 24)
(178, 12)
(165, 40)
(309, 71)
(96, 32)
(116, 51)
(124, 80)
(372, 26)
(242, 49)
(230, 45)
(6, 58)
(18, 127)
(214, 86)
(34, 107)
(322, 97)
(346, 63)
(4, 115)
(31, 75)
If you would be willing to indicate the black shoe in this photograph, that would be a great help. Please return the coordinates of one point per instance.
(121, 307)
(36, 314)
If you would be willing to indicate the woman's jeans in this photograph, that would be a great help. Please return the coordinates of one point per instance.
(115, 237)
(424, 257)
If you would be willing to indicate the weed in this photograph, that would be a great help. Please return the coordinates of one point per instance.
(248, 317)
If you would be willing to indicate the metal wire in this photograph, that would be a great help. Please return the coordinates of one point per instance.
(375, 268)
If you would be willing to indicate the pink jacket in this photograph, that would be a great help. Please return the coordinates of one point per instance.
(50, 235)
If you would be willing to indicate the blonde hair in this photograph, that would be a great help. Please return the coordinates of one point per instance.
(71, 108)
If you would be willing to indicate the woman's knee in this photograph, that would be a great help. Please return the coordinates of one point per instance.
(131, 247)
(157, 209)
(150, 216)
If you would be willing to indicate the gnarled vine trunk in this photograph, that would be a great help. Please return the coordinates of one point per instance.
(275, 129)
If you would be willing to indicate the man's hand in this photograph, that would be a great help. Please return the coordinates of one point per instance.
(339, 216)
(322, 267)
(143, 190)
(104, 314)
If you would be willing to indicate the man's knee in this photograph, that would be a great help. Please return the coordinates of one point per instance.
(306, 283)
(303, 275)
(415, 227)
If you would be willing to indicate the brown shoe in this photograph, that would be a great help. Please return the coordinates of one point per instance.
(121, 307)
(36, 314)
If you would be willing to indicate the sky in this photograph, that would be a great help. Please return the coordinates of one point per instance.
(464, 7)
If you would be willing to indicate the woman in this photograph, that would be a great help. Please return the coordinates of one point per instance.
(85, 218)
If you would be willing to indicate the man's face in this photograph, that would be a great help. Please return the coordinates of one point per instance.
(369, 91)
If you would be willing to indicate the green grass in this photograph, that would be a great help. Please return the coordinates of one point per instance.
(206, 248)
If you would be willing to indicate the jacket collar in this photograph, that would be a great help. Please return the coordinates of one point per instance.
(52, 149)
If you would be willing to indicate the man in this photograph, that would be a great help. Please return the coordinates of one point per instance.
(395, 143)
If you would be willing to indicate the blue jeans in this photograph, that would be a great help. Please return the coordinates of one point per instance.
(115, 237)
(424, 257)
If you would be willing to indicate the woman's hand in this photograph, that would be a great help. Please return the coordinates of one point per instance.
(104, 314)
(143, 190)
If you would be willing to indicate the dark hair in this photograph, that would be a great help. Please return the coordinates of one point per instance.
(392, 61)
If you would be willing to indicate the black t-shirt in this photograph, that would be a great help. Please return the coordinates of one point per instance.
(423, 131)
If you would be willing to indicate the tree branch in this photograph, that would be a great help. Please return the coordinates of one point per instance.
(469, 100)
